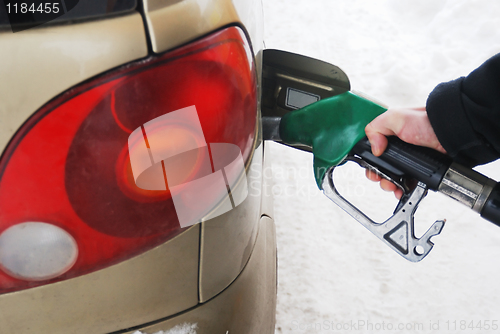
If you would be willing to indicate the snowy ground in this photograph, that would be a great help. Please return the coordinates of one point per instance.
(179, 329)
(334, 276)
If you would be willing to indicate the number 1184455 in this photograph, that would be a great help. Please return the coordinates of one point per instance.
(24, 8)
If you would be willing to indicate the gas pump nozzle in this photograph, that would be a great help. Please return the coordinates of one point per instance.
(330, 124)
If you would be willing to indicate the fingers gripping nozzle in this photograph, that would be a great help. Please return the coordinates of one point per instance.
(398, 231)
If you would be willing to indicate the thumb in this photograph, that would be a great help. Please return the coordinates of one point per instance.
(378, 129)
(378, 142)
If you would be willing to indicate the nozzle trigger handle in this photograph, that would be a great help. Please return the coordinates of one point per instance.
(397, 232)
(401, 160)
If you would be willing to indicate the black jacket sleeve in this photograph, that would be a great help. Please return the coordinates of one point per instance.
(465, 114)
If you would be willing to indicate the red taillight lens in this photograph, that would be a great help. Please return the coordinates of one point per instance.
(69, 164)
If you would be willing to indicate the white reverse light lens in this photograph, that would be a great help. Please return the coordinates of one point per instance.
(36, 251)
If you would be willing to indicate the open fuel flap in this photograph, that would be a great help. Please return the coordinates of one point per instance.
(292, 81)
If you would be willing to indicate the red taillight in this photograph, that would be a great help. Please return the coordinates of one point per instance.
(69, 164)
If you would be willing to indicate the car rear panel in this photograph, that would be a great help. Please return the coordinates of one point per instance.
(228, 240)
(247, 306)
(155, 284)
(175, 22)
(205, 269)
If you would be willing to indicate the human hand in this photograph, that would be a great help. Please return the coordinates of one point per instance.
(411, 125)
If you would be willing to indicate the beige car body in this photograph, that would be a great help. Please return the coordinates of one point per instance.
(223, 274)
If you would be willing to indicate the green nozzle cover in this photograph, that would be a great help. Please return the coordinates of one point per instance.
(331, 127)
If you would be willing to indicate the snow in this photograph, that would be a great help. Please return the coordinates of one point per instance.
(184, 328)
(334, 275)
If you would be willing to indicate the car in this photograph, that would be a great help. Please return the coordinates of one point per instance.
(92, 239)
